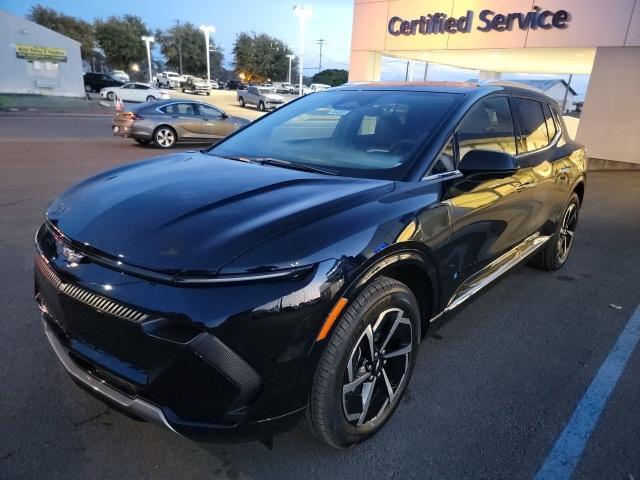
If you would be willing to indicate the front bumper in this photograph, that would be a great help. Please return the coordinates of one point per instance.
(135, 406)
(219, 363)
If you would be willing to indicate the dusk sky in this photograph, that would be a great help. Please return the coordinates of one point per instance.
(332, 21)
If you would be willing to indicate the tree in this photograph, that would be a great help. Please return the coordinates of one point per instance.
(66, 25)
(262, 57)
(119, 39)
(186, 40)
(331, 76)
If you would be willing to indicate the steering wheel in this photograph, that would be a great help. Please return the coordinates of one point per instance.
(402, 146)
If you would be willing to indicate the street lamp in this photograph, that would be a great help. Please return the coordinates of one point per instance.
(290, 57)
(303, 14)
(146, 39)
(207, 30)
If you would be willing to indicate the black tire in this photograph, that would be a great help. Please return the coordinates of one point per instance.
(380, 304)
(151, 98)
(261, 106)
(184, 91)
(111, 96)
(241, 102)
(165, 137)
(555, 252)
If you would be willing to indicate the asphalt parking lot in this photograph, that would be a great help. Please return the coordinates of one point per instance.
(492, 391)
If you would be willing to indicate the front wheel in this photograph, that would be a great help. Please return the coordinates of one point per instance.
(556, 251)
(111, 96)
(164, 137)
(366, 365)
(242, 102)
(151, 98)
(261, 107)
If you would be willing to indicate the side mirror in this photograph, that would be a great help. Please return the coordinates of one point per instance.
(488, 161)
(224, 115)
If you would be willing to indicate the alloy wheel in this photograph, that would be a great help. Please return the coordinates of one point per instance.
(377, 367)
(165, 137)
(567, 232)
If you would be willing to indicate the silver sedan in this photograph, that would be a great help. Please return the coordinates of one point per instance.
(168, 122)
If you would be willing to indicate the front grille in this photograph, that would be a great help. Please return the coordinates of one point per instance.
(89, 298)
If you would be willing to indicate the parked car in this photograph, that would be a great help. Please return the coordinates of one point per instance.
(283, 87)
(121, 75)
(184, 78)
(168, 122)
(221, 85)
(196, 85)
(169, 80)
(293, 268)
(315, 87)
(94, 82)
(262, 97)
(214, 84)
(134, 92)
(235, 85)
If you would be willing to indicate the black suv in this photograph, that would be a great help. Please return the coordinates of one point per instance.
(293, 268)
(94, 82)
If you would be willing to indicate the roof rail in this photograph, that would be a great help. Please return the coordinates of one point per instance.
(510, 83)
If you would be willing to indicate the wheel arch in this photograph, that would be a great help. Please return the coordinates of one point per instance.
(409, 264)
(578, 189)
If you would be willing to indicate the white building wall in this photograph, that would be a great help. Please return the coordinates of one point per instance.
(18, 75)
(609, 125)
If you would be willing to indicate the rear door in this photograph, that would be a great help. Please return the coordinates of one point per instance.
(185, 119)
(540, 161)
(215, 125)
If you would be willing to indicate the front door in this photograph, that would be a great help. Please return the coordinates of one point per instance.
(215, 124)
(488, 215)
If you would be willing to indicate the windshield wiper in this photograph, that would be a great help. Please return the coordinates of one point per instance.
(276, 162)
(238, 158)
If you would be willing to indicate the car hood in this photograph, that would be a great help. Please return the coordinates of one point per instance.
(192, 212)
(272, 96)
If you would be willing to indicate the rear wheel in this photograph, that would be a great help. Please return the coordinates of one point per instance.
(556, 251)
(366, 365)
(164, 137)
(242, 102)
(151, 98)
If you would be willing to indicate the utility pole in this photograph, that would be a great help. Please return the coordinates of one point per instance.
(179, 44)
(321, 43)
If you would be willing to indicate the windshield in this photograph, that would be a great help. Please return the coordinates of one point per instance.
(371, 134)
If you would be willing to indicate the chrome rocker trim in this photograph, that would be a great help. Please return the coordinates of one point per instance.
(496, 269)
(493, 271)
(137, 407)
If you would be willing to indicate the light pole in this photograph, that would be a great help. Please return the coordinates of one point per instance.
(290, 57)
(207, 30)
(148, 41)
(303, 13)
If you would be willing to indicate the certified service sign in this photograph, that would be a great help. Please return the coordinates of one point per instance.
(41, 54)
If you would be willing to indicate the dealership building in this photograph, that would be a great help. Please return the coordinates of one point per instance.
(497, 37)
(36, 60)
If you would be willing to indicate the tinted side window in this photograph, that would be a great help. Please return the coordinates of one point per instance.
(180, 109)
(488, 126)
(532, 124)
(551, 125)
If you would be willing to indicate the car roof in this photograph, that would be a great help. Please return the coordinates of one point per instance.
(465, 88)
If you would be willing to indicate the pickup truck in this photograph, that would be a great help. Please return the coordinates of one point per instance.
(196, 85)
(261, 97)
(315, 87)
(168, 80)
